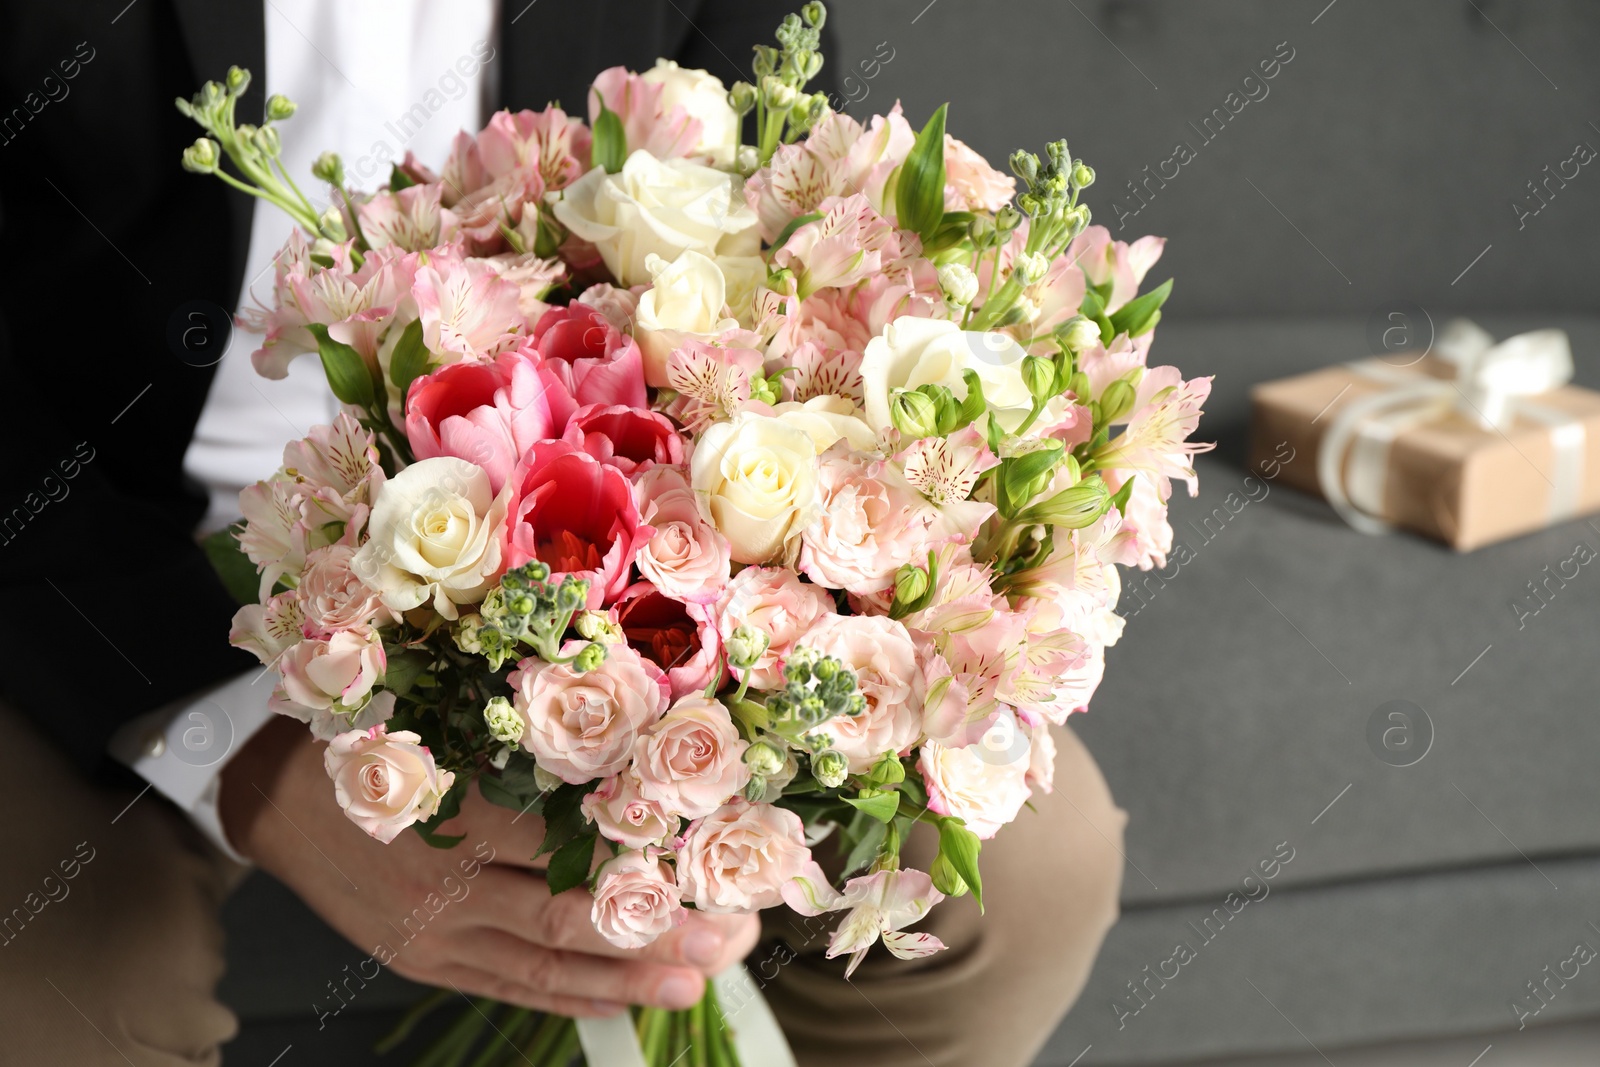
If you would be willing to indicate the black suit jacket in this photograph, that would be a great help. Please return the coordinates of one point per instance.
(107, 606)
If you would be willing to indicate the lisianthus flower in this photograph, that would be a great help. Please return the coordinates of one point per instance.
(577, 515)
(881, 904)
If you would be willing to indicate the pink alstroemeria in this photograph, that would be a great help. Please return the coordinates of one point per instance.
(838, 158)
(637, 103)
(712, 382)
(1123, 265)
(412, 219)
(1156, 440)
(850, 242)
(881, 905)
(467, 309)
(550, 142)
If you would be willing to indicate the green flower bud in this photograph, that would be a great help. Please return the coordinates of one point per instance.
(742, 98)
(1031, 267)
(1039, 375)
(755, 790)
(1082, 176)
(1007, 219)
(1072, 508)
(981, 229)
(505, 724)
(914, 413)
(202, 156)
(810, 65)
(910, 585)
(830, 768)
(887, 771)
(945, 878)
(766, 390)
(1025, 165)
(279, 107)
(238, 81)
(266, 141)
(593, 654)
(1116, 401)
(468, 634)
(764, 759)
(1079, 333)
(766, 61)
(815, 14)
(778, 93)
(329, 168)
(745, 646)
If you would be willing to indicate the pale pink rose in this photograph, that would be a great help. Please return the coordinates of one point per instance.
(686, 558)
(336, 672)
(983, 785)
(635, 900)
(581, 726)
(334, 599)
(737, 859)
(383, 781)
(780, 605)
(970, 184)
(468, 311)
(623, 816)
(1041, 759)
(691, 760)
(869, 523)
(881, 653)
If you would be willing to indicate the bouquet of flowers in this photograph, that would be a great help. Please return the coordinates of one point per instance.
(709, 499)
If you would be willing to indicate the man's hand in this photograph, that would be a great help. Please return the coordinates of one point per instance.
(502, 936)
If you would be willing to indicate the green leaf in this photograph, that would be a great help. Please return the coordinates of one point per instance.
(975, 403)
(1139, 314)
(1094, 304)
(960, 847)
(495, 792)
(1120, 499)
(950, 232)
(866, 847)
(347, 372)
(238, 574)
(399, 179)
(563, 817)
(410, 358)
(919, 194)
(794, 224)
(609, 149)
(881, 807)
(569, 867)
(403, 670)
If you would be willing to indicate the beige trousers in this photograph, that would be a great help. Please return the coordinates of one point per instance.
(110, 946)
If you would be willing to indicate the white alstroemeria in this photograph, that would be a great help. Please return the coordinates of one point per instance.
(880, 904)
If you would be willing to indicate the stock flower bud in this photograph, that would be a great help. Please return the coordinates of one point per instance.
(238, 80)
(1082, 176)
(202, 156)
(1025, 165)
(266, 141)
(746, 645)
(764, 759)
(593, 654)
(778, 94)
(505, 725)
(1007, 219)
(597, 626)
(815, 14)
(959, 284)
(1031, 267)
(279, 107)
(830, 768)
(914, 413)
(742, 98)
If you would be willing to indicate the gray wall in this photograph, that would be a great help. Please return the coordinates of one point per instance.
(1396, 140)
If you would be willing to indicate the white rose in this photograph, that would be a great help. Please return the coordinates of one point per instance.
(828, 419)
(702, 95)
(657, 206)
(913, 352)
(687, 300)
(435, 533)
(984, 784)
(756, 480)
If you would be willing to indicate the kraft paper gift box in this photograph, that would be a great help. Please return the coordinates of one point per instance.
(1469, 444)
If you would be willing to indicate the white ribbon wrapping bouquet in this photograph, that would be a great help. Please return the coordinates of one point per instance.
(1491, 386)
(757, 1038)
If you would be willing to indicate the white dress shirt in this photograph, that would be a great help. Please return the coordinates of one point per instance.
(373, 79)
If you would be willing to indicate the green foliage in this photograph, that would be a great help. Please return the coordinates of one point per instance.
(238, 574)
(1141, 314)
(347, 372)
(959, 847)
(609, 149)
(919, 194)
(410, 358)
(569, 867)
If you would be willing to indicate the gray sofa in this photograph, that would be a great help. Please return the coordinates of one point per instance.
(1381, 166)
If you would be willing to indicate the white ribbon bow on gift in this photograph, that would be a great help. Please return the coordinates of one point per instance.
(757, 1037)
(1490, 387)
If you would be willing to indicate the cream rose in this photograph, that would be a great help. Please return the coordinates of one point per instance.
(623, 816)
(756, 480)
(581, 725)
(738, 858)
(912, 352)
(702, 96)
(984, 784)
(828, 419)
(884, 659)
(635, 900)
(383, 781)
(661, 207)
(686, 301)
(435, 534)
(691, 760)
